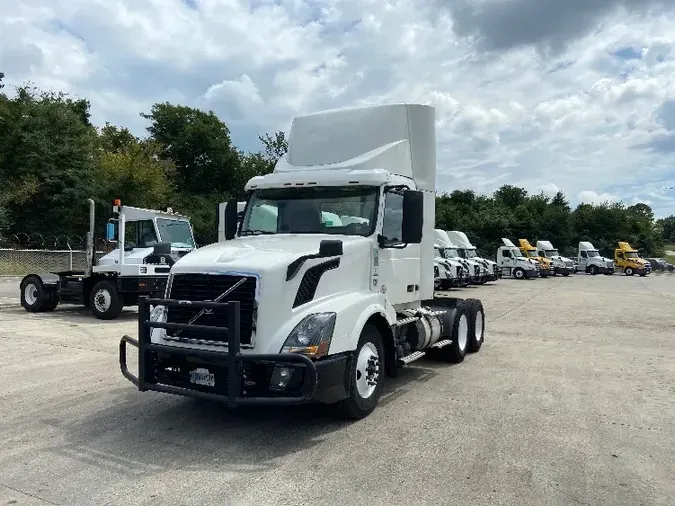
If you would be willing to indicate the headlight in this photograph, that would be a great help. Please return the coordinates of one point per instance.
(312, 336)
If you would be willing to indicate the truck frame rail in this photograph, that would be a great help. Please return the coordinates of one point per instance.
(232, 360)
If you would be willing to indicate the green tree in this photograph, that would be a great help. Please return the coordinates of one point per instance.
(132, 170)
(46, 161)
(199, 146)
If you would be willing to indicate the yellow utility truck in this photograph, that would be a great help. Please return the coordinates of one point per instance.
(628, 261)
(545, 265)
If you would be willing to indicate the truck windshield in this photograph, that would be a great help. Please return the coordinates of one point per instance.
(318, 210)
(551, 253)
(631, 254)
(516, 252)
(592, 253)
(471, 253)
(437, 252)
(177, 232)
(450, 253)
(530, 253)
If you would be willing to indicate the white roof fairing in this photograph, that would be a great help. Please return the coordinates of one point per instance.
(358, 144)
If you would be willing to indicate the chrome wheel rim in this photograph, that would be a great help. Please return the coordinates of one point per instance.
(462, 332)
(479, 327)
(367, 370)
(102, 300)
(30, 294)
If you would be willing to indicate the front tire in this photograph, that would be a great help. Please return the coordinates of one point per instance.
(518, 273)
(105, 301)
(628, 271)
(593, 270)
(365, 376)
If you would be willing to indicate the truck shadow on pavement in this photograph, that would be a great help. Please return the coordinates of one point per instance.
(146, 433)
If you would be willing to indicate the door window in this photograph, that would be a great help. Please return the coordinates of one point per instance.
(392, 222)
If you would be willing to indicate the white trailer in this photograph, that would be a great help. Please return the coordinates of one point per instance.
(590, 261)
(304, 310)
(513, 264)
(148, 243)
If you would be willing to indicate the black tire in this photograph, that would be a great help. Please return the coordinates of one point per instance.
(356, 406)
(629, 271)
(446, 284)
(110, 309)
(593, 269)
(519, 273)
(476, 314)
(455, 352)
(566, 273)
(643, 274)
(38, 298)
(52, 301)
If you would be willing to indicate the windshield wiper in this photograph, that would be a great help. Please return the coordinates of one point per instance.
(255, 232)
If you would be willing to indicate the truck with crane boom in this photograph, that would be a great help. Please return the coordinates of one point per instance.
(303, 310)
(148, 243)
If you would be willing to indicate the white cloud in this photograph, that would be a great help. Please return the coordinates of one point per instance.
(569, 106)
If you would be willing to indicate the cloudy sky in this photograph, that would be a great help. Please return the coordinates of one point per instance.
(577, 95)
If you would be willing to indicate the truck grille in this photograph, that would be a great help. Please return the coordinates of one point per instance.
(201, 287)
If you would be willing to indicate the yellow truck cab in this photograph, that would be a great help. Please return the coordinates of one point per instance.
(628, 261)
(545, 265)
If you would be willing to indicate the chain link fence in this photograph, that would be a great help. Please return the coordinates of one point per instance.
(21, 254)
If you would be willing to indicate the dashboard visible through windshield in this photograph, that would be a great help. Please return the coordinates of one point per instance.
(318, 210)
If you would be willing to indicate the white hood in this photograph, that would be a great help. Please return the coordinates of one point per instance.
(267, 258)
(134, 256)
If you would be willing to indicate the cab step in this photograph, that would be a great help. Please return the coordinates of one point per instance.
(441, 344)
(416, 355)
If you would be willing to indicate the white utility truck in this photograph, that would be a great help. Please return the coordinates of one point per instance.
(450, 251)
(148, 243)
(304, 310)
(512, 262)
(589, 260)
(561, 265)
(489, 271)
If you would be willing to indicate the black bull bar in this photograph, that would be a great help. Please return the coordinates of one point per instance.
(232, 359)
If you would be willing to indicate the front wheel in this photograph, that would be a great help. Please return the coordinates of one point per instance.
(593, 270)
(105, 301)
(518, 273)
(365, 376)
(629, 271)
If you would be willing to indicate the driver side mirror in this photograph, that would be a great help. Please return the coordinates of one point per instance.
(413, 217)
(231, 222)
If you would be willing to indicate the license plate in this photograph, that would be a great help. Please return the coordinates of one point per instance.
(202, 377)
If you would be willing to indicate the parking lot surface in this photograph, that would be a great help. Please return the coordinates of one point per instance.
(570, 401)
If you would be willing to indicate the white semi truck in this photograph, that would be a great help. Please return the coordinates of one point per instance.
(450, 251)
(561, 264)
(302, 310)
(513, 264)
(589, 260)
(148, 243)
(489, 269)
(451, 272)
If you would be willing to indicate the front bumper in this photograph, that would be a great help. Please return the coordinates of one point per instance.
(232, 377)
(529, 273)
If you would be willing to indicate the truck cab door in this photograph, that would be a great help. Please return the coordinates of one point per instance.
(620, 258)
(582, 260)
(399, 264)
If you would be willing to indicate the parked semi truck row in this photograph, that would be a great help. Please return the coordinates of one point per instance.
(148, 243)
(359, 300)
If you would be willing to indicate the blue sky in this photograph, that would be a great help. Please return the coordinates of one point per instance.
(576, 95)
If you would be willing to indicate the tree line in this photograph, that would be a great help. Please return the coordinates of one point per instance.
(52, 159)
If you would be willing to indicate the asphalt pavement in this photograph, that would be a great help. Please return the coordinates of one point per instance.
(570, 401)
